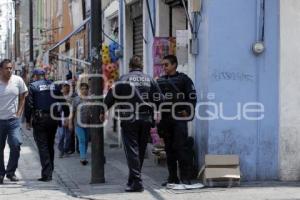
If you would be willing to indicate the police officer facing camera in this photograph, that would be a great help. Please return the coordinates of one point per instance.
(136, 93)
(40, 99)
(180, 99)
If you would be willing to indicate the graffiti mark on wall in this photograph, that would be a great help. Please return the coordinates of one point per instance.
(232, 76)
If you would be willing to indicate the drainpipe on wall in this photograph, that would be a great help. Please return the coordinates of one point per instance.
(194, 23)
(259, 45)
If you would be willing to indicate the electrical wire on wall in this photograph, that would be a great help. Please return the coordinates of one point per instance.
(263, 6)
(259, 46)
(188, 16)
(150, 17)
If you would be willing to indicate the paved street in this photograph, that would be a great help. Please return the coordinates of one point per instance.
(71, 181)
(29, 171)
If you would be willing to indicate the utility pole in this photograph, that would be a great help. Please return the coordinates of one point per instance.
(96, 83)
(31, 64)
(17, 29)
(9, 31)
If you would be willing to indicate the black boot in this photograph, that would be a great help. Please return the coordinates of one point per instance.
(135, 188)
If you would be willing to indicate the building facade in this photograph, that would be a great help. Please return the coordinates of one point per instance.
(238, 91)
(241, 54)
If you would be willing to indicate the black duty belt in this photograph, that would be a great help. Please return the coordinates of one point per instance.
(41, 113)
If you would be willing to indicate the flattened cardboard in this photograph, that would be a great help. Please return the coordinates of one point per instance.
(222, 173)
(218, 168)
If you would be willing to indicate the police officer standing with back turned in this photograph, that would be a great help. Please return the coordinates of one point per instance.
(135, 123)
(44, 126)
(177, 88)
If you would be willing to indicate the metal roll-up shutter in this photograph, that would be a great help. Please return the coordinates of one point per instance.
(138, 36)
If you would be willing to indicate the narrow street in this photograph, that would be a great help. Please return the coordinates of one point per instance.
(28, 172)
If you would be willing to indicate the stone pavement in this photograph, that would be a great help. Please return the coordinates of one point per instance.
(71, 181)
(28, 172)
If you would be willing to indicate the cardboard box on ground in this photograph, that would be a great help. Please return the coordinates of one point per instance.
(220, 170)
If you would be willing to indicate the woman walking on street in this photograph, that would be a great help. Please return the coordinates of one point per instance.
(81, 116)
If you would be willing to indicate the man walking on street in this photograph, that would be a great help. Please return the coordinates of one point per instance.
(64, 135)
(136, 126)
(40, 100)
(177, 88)
(74, 144)
(12, 99)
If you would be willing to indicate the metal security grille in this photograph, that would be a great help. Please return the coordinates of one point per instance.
(138, 36)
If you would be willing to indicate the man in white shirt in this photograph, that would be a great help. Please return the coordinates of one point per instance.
(12, 98)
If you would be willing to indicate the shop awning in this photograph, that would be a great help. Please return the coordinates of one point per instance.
(76, 30)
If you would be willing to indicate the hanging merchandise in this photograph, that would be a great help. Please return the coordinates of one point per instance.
(112, 49)
(105, 59)
(105, 48)
(104, 67)
(110, 67)
(105, 55)
(110, 64)
(114, 75)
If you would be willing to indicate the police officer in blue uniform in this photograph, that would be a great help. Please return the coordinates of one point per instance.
(177, 88)
(44, 126)
(136, 123)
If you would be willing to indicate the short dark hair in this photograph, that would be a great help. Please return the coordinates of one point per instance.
(4, 62)
(84, 85)
(173, 59)
(135, 62)
(69, 76)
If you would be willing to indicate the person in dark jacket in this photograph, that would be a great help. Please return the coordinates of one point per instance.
(180, 93)
(74, 144)
(64, 135)
(140, 91)
(41, 97)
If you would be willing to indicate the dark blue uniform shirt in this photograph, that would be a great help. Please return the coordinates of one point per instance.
(144, 89)
(41, 97)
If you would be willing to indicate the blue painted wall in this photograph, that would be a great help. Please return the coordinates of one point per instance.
(227, 68)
